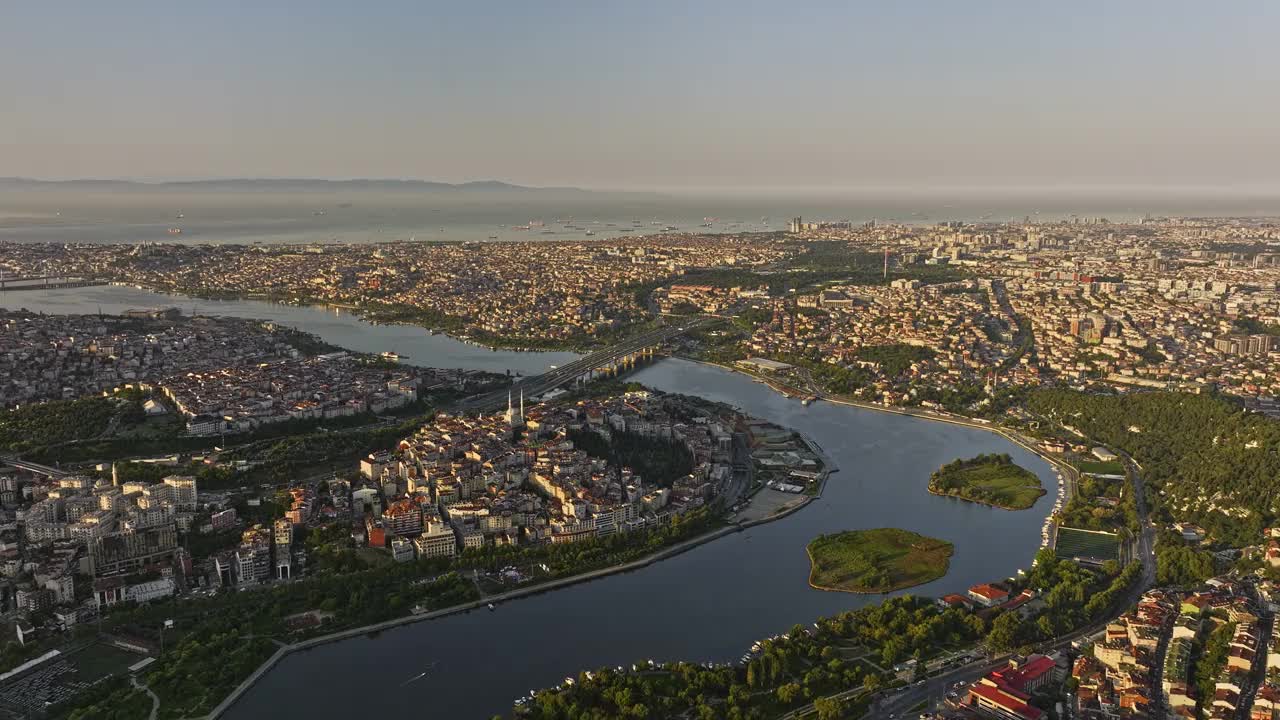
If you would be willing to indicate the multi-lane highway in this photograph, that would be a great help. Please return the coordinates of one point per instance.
(36, 468)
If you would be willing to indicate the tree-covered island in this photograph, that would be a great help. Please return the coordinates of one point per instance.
(874, 561)
(991, 479)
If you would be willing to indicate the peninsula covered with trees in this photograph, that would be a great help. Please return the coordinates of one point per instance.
(1204, 459)
(874, 561)
(990, 479)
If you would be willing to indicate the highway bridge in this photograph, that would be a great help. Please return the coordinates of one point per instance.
(601, 363)
(36, 468)
(46, 282)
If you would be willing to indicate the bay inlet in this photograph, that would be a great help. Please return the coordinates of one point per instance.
(708, 604)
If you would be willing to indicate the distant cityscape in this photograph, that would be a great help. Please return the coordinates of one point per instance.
(163, 467)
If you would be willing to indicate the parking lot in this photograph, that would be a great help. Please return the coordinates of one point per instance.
(62, 677)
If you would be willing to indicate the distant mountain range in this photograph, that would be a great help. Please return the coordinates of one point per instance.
(279, 185)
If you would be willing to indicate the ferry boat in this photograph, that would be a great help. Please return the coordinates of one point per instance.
(590, 233)
(175, 231)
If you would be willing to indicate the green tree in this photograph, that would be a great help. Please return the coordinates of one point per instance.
(829, 708)
(788, 694)
(1006, 632)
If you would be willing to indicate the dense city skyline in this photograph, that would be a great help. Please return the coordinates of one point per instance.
(654, 97)
(586, 361)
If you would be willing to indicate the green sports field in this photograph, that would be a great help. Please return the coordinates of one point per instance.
(1087, 544)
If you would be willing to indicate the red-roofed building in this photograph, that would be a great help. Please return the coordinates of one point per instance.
(375, 533)
(988, 595)
(954, 600)
(996, 701)
(1022, 598)
(1005, 693)
(1028, 675)
(1273, 553)
(403, 517)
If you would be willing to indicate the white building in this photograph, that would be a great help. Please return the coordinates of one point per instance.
(184, 490)
(401, 550)
(111, 590)
(437, 543)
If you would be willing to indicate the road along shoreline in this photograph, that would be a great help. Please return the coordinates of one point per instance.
(658, 556)
(1069, 473)
(684, 546)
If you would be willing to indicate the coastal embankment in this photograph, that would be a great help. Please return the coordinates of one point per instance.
(1070, 475)
(496, 600)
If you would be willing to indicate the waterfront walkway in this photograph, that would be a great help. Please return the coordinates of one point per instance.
(660, 555)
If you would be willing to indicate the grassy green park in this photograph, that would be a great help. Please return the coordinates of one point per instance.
(874, 561)
(988, 479)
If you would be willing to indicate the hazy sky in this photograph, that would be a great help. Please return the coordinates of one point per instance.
(646, 94)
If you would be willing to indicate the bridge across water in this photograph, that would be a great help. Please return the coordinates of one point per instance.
(46, 282)
(603, 362)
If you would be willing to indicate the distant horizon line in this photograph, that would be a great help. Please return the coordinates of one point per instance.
(819, 190)
(160, 182)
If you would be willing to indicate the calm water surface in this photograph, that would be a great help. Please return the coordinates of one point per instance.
(707, 604)
(335, 325)
(364, 217)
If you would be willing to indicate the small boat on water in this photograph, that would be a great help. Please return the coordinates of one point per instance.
(175, 231)
(491, 607)
(420, 675)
